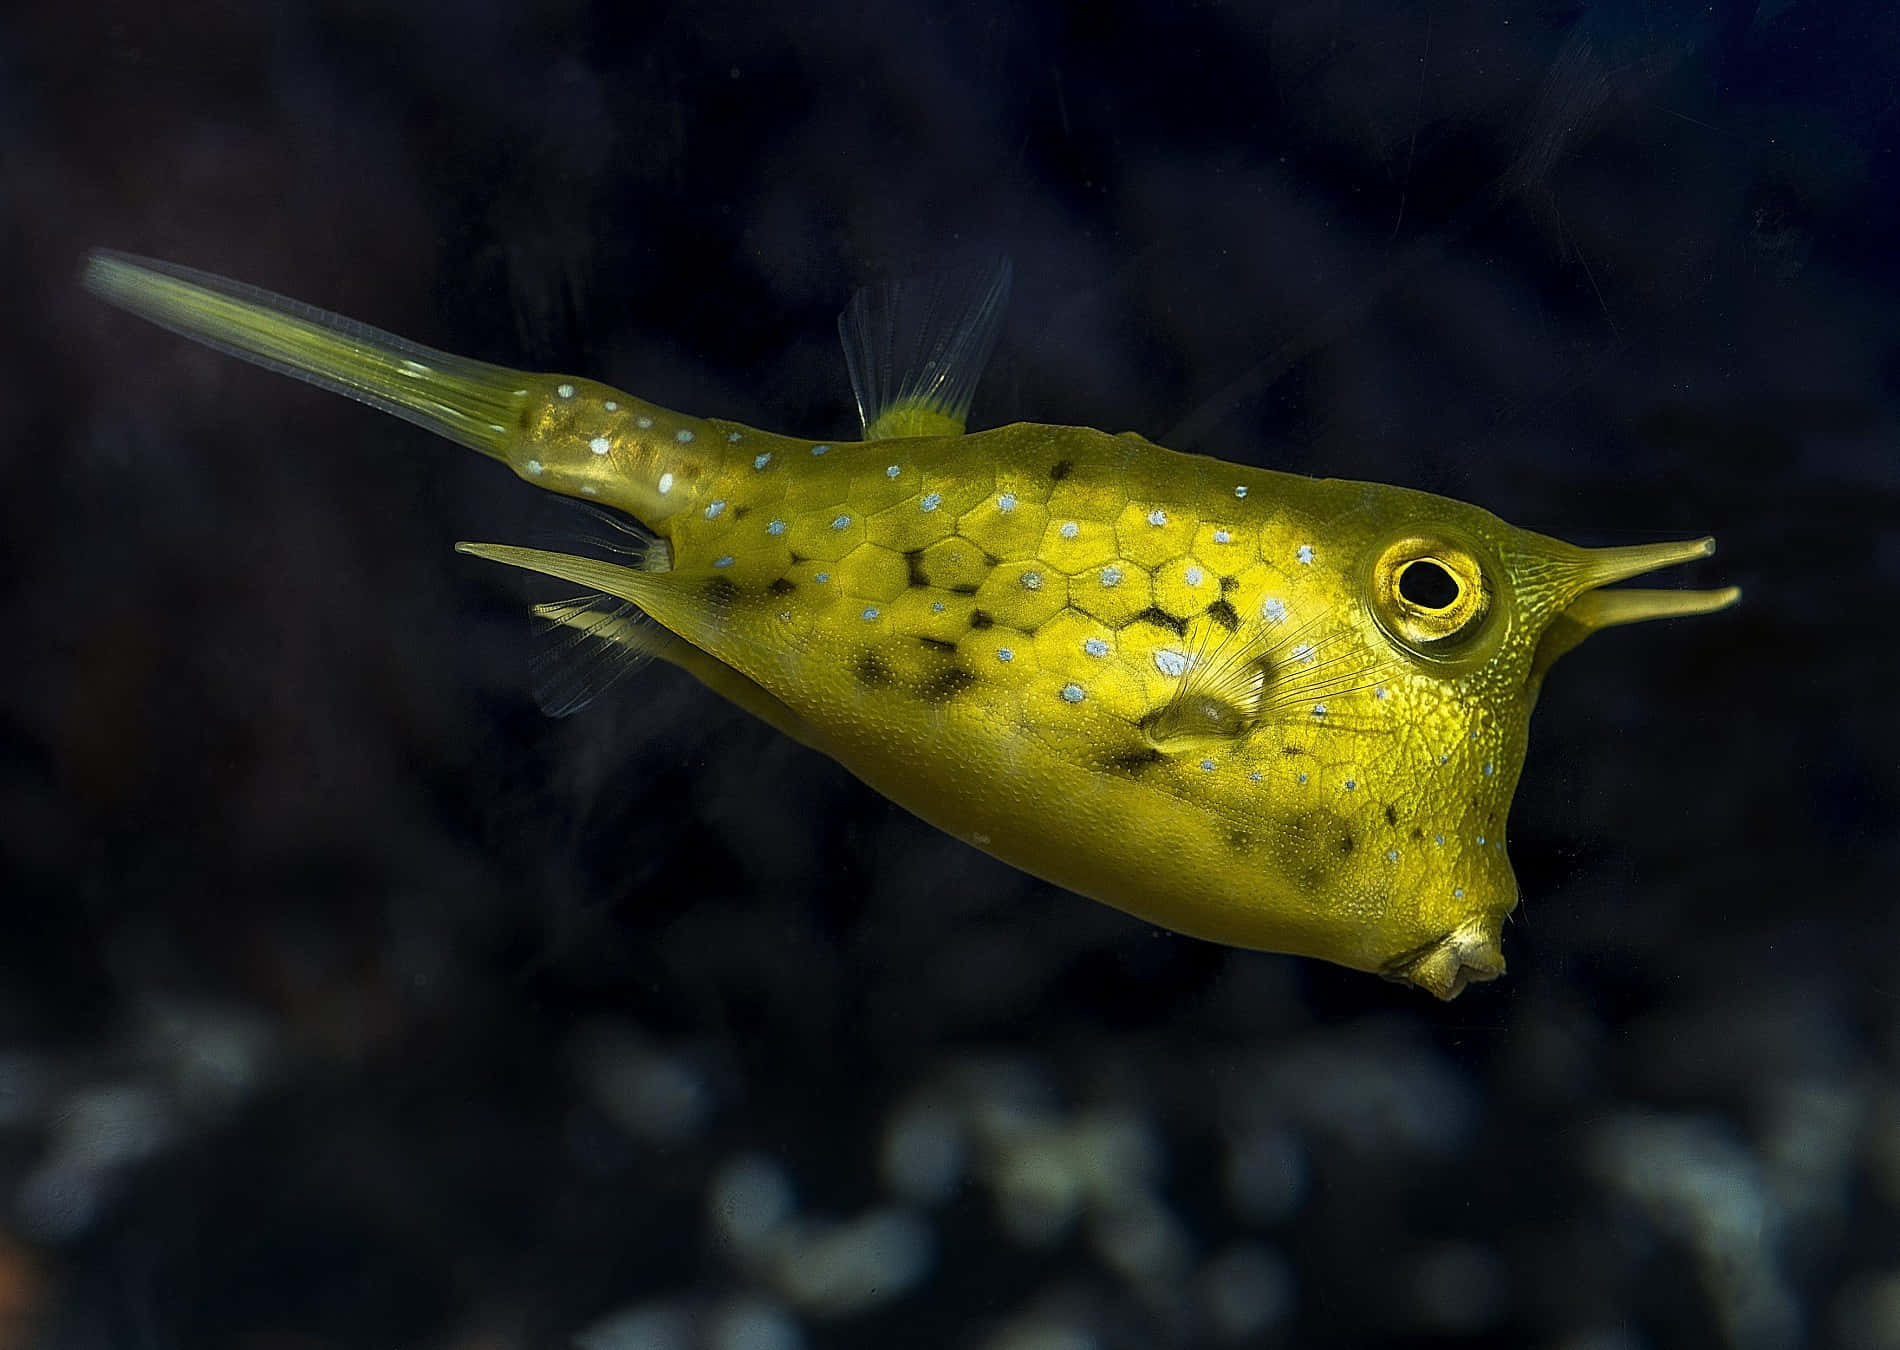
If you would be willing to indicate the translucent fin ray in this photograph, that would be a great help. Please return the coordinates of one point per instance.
(917, 348)
(589, 643)
(1236, 682)
(605, 533)
(469, 402)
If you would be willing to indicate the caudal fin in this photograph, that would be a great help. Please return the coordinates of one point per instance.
(471, 402)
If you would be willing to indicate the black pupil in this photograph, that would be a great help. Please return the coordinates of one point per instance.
(1428, 585)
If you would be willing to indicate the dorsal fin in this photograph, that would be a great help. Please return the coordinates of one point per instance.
(916, 348)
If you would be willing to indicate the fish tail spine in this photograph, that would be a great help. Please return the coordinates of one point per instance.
(470, 402)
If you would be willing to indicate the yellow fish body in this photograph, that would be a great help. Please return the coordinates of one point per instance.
(1269, 710)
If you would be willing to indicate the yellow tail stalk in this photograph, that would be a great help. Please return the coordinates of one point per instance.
(467, 401)
(569, 435)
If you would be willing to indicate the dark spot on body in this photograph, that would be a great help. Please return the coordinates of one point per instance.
(797, 557)
(1311, 842)
(1224, 614)
(963, 590)
(1240, 841)
(1133, 761)
(938, 644)
(1160, 618)
(980, 619)
(1391, 814)
(783, 586)
(1292, 749)
(1228, 585)
(872, 671)
(945, 685)
(914, 560)
(741, 512)
(1417, 833)
(1061, 470)
(721, 594)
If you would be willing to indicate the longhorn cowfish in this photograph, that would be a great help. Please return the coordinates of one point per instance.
(1268, 710)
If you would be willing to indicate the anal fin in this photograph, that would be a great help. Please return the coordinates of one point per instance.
(591, 641)
(598, 635)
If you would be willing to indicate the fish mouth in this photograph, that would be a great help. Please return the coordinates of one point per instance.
(1469, 954)
(1593, 608)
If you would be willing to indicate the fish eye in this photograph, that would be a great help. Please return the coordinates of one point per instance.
(1431, 595)
(1425, 582)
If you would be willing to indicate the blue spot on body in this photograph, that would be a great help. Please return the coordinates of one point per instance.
(931, 501)
(723, 562)
(1072, 693)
